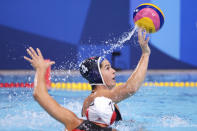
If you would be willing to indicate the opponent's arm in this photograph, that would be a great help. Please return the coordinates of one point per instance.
(136, 79)
(65, 116)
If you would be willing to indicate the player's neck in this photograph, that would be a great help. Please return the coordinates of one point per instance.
(99, 87)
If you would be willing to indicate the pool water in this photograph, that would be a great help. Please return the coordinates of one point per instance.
(151, 109)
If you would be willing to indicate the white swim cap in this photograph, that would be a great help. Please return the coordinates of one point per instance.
(101, 110)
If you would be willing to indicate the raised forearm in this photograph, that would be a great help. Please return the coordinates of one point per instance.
(138, 76)
(40, 84)
(135, 80)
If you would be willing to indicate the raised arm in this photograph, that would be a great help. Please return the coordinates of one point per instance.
(137, 77)
(63, 115)
(134, 82)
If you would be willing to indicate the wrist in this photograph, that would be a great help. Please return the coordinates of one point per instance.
(145, 53)
(41, 70)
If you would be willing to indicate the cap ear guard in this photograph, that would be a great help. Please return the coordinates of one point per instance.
(100, 60)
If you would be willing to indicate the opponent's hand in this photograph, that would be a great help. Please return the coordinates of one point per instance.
(143, 41)
(37, 60)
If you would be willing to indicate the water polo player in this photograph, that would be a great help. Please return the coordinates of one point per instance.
(101, 76)
(100, 110)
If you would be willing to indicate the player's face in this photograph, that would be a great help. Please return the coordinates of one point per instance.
(108, 74)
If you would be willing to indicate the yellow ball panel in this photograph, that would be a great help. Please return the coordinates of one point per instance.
(147, 24)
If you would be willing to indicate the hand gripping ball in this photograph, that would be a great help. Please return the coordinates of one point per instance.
(148, 16)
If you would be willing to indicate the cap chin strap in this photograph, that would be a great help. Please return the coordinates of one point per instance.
(99, 61)
(98, 65)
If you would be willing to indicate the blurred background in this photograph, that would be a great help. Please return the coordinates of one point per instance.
(68, 31)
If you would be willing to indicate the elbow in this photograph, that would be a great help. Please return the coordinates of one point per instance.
(39, 95)
(35, 95)
(136, 88)
(133, 91)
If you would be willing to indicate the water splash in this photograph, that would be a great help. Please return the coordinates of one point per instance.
(127, 36)
(66, 66)
(174, 121)
(29, 120)
(129, 126)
